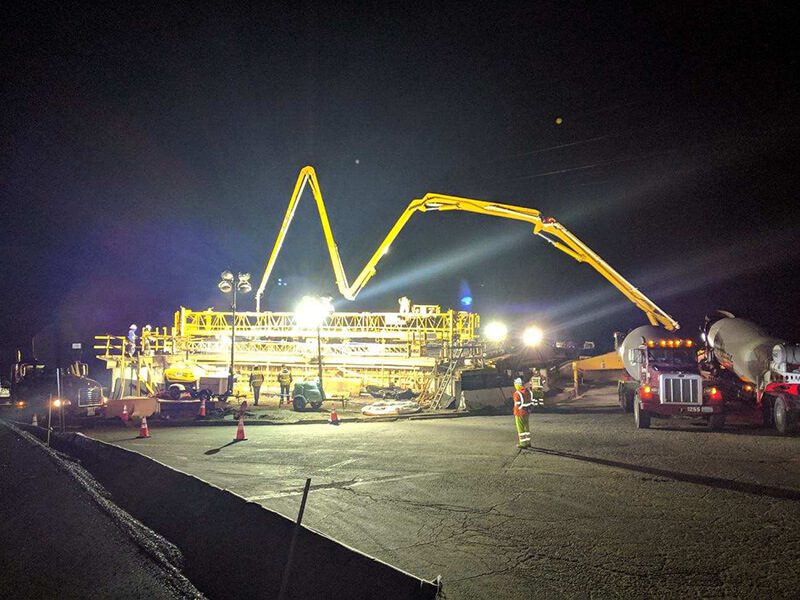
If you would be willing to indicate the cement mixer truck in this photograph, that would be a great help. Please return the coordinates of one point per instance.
(759, 374)
(664, 381)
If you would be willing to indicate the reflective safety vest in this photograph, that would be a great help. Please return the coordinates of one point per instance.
(285, 377)
(521, 401)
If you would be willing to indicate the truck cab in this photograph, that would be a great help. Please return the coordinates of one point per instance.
(670, 385)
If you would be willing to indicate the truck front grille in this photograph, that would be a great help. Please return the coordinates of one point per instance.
(681, 390)
(90, 396)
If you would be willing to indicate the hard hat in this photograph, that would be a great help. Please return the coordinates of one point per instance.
(518, 381)
(148, 327)
(133, 326)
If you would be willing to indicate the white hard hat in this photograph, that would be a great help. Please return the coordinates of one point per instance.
(133, 326)
(518, 381)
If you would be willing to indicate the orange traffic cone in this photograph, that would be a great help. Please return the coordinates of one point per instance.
(35, 421)
(125, 416)
(202, 407)
(240, 430)
(333, 418)
(144, 432)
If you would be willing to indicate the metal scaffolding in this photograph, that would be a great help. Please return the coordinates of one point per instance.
(406, 349)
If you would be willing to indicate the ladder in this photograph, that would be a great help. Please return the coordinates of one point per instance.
(445, 381)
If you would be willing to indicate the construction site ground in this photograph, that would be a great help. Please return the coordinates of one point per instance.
(596, 508)
(63, 539)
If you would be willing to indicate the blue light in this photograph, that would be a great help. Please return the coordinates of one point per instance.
(466, 301)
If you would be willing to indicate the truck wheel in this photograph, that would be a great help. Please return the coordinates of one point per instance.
(175, 391)
(316, 405)
(299, 403)
(628, 400)
(716, 422)
(784, 419)
(642, 417)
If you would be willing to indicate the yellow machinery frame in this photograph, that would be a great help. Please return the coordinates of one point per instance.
(546, 228)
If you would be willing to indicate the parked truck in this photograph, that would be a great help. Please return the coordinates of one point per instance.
(758, 374)
(663, 380)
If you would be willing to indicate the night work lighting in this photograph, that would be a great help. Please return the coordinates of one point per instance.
(227, 284)
(312, 311)
(495, 331)
(532, 336)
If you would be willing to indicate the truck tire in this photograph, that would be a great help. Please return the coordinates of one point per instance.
(716, 422)
(316, 405)
(784, 419)
(628, 400)
(299, 404)
(641, 416)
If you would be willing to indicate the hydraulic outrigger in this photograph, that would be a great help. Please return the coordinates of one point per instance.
(546, 228)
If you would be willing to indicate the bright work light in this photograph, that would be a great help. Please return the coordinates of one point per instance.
(495, 331)
(312, 311)
(532, 336)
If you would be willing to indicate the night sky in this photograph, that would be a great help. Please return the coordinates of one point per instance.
(146, 148)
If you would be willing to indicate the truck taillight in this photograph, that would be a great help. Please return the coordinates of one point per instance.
(646, 392)
(714, 394)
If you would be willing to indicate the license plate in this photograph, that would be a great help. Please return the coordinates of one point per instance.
(90, 411)
(692, 409)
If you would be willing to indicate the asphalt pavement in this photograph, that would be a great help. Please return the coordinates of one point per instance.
(596, 509)
(61, 538)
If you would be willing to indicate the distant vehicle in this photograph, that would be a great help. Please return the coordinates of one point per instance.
(665, 380)
(307, 393)
(33, 384)
(5, 393)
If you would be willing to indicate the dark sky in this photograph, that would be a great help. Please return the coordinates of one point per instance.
(147, 148)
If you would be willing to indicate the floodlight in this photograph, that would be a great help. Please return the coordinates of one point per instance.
(244, 283)
(496, 331)
(312, 311)
(532, 336)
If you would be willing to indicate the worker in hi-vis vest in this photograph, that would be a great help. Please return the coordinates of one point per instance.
(522, 402)
(285, 381)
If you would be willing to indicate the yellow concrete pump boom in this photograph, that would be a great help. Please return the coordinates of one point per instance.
(546, 228)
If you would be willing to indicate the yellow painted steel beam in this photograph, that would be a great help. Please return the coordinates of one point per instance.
(546, 228)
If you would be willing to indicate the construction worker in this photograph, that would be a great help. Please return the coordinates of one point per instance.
(522, 403)
(537, 390)
(256, 380)
(132, 337)
(147, 348)
(285, 381)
